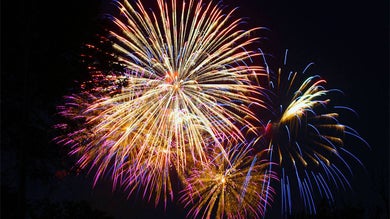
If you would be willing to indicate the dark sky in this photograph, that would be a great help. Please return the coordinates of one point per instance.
(41, 42)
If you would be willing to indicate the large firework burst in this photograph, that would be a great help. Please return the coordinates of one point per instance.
(185, 77)
(308, 139)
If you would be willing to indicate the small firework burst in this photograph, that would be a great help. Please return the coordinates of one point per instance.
(236, 187)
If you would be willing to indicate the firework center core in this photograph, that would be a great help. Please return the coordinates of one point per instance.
(221, 178)
(171, 78)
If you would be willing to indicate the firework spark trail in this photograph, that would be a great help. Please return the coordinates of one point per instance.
(186, 77)
(308, 139)
(230, 188)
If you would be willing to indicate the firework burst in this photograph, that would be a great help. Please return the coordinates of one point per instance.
(237, 187)
(308, 139)
(185, 77)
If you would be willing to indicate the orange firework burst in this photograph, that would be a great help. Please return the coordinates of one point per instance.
(237, 187)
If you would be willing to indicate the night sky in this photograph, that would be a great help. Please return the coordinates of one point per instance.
(41, 42)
